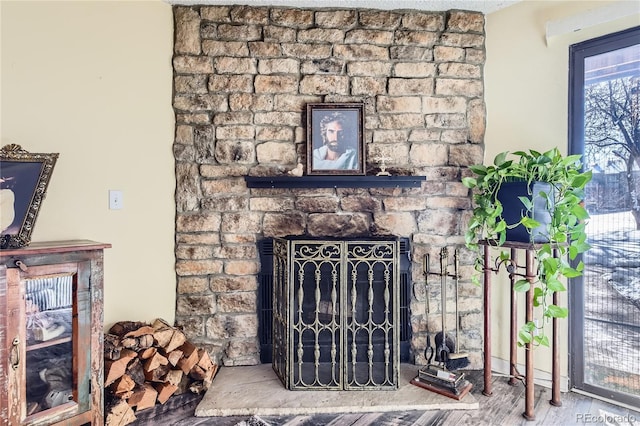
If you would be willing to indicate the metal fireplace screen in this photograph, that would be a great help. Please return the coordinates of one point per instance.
(265, 300)
(336, 314)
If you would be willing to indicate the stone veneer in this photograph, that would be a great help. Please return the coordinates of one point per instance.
(242, 78)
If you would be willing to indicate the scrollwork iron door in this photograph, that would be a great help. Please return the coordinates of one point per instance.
(336, 314)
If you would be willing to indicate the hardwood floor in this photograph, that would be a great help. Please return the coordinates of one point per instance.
(505, 407)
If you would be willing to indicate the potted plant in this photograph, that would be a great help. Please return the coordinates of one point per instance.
(534, 198)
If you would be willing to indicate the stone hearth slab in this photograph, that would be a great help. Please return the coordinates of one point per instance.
(251, 390)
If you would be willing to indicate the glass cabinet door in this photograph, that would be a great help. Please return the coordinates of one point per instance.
(49, 351)
(52, 378)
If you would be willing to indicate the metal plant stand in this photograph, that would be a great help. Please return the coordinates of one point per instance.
(515, 272)
(336, 314)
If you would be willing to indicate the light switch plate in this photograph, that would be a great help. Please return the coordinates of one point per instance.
(115, 199)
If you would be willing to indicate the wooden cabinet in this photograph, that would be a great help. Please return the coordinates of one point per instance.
(51, 329)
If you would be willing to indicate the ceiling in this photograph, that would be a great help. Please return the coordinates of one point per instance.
(484, 6)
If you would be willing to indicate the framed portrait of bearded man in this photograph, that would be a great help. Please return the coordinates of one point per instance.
(335, 139)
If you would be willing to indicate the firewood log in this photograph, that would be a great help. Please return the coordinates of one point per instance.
(211, 373)
(129, 343)
(143, 397)
(122, 386)
(146, 329)
(174, 377)
(124, 395)
(162, 332)
(204, 360)
(145, 341)
(137, 343)
(165, 390)
(136, 372)
(204, 370)
(177, 339)
(154, 362)
(183, 386)
(113, 370)
(123, 327)
(147, 353)
(157, 374)
(119, 414)
(162, 336)
(205, 376)
(116, 368)
(159, 323)
(128, 354)
(190, 357)
(112, 346)
(197, 373)
(174, 356)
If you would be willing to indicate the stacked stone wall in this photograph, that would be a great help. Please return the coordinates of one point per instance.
(242, 79)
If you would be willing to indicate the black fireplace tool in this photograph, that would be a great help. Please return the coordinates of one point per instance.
(440, 377)
(447, 349)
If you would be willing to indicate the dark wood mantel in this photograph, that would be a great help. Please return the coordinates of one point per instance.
(334, 181)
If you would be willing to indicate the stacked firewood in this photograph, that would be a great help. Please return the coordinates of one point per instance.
(146, 364)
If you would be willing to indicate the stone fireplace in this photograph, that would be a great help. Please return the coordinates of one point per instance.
(242, 78)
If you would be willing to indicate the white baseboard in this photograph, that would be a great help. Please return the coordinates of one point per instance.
(541, 378)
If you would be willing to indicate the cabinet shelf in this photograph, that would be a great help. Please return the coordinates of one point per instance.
(48, 343)
(334, 181)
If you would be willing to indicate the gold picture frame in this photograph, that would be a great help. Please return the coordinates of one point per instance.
(24, 178)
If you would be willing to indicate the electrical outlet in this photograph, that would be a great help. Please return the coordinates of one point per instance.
(115, 199)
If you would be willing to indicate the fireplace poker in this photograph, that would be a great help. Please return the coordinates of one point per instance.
(456, 274)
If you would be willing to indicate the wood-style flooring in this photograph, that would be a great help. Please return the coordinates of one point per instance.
(504, 407)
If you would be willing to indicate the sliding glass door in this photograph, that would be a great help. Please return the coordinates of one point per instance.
(605, 302)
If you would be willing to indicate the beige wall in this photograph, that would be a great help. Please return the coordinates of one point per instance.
(526, 82)
(92, 81)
